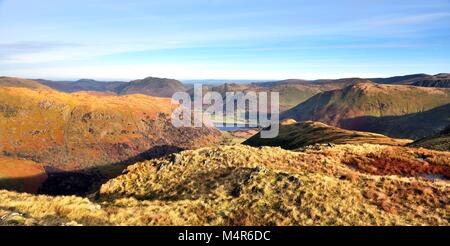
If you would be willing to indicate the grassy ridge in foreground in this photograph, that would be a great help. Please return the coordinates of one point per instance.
(241, 185)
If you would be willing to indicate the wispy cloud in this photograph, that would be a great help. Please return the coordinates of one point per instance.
(10, 50)
(34, 46)
(38, 52)
(368, 46)
(411, 19)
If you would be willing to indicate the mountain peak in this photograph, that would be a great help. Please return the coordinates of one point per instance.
(153, 86)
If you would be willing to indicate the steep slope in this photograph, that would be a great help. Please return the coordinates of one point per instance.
(84, 85)
(354, 106)
(294, 135)
(81, 131)
(241, 185)
(440, 141)
(18, 82)
(152, 86)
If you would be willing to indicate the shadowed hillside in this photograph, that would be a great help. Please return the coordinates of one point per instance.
(440, 141)
(295, 135)
(439, 80)
(413, 126)
(352, 106)
(405, 79)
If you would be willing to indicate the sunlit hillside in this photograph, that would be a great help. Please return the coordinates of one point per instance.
(81, 131)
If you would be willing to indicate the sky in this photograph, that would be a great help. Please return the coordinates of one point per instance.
(223, 39)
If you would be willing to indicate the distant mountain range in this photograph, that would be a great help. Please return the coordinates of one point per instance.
(83, 85)
(425, 80)
(292, 91)
(410, 106)
(150, 86)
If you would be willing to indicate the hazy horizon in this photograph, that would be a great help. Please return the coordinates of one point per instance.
(206, 81)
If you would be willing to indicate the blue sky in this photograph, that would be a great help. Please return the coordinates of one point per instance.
(223, 39)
